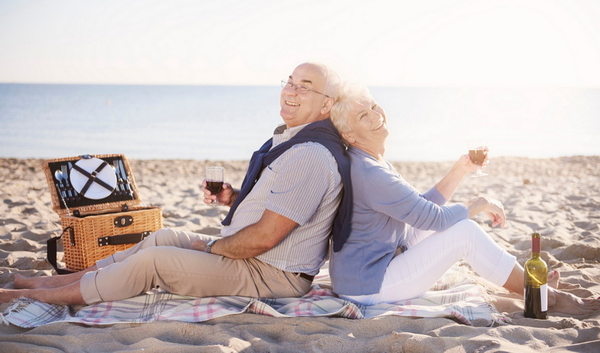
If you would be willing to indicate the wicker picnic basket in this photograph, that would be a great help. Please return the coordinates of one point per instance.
(100, 210)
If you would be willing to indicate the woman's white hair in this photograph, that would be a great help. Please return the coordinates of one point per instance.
(349, 93)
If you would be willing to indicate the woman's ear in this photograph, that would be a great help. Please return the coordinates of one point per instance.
(349, 137)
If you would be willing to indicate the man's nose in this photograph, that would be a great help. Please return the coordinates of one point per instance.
(290, 90)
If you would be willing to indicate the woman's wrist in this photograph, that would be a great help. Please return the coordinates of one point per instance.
(477, 205)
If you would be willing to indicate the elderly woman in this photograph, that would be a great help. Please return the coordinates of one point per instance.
(401, 242)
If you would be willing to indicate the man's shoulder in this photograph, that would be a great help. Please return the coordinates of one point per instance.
(310, 149)
(307, 158)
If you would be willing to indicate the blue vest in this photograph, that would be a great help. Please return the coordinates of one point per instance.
(324, 133)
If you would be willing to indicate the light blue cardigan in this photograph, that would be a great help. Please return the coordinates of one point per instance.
(383, 204)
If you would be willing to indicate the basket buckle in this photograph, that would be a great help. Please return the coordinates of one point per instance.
(123, 221)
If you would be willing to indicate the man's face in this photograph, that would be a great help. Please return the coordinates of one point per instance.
(302, 108)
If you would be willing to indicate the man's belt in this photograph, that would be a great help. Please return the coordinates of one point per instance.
(305, 276)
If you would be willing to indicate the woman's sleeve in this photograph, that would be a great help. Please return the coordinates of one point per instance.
(390, 194)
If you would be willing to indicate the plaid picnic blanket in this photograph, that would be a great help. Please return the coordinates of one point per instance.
(462, 301)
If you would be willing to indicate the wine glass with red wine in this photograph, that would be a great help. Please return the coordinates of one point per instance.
(478, 152)
(214, 180)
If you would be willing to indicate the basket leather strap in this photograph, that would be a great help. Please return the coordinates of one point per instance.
(51, 251)
(122, 239)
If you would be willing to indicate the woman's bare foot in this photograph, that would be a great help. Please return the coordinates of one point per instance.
(553, 278)
(567, 303)
(554, 281)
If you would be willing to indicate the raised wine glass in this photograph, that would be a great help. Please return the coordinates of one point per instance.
(478, 152)
(214, 181)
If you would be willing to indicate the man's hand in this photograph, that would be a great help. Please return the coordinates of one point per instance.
(199, 245)
(225, 197)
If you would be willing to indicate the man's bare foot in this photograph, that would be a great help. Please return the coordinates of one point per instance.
(6, 295)
(567, 303)
(21, 281)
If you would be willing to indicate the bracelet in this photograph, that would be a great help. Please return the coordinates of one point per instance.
(209, 245)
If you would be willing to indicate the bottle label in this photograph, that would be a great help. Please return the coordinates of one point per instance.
(544, 296)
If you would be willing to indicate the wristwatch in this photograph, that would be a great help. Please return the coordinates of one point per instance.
(209, 245)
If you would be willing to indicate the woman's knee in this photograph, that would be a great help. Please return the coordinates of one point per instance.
(467, 225)
(466, 232)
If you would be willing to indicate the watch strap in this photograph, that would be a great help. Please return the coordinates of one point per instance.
(209, 245)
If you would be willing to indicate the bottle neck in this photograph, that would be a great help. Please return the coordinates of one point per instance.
(535, 246)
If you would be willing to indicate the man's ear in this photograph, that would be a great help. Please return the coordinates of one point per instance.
(327, 104)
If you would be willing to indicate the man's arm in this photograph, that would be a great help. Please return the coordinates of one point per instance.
(253, 240)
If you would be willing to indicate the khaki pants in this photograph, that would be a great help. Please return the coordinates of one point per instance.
(164, 260)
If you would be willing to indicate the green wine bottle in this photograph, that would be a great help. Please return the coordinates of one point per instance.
(536, 282)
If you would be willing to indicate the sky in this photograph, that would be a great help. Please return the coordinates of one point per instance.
(425, 43)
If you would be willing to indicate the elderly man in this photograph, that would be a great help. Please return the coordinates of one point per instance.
(275, 237)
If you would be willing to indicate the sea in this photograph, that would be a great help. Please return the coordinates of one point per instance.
(230, 122)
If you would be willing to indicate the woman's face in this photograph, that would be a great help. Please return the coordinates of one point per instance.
(367, 122)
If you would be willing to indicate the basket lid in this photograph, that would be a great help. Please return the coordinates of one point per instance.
(91, 184)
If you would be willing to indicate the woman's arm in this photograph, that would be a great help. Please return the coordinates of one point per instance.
(449, 183)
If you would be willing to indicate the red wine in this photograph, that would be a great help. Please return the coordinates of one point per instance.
(477, 156)
(536, 282)
(214, 187)
(533, 300)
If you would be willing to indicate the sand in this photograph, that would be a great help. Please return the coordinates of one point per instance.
(560, 198)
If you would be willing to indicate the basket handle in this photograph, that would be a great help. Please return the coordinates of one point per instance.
(51, 251)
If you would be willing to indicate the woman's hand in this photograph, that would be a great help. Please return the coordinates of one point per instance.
(225, 197)
(465, 164)
(496, 213)
(493, 208)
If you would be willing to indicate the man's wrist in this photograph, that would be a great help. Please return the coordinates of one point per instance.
(209, 246)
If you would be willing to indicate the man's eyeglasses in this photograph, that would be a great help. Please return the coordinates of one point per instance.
(299, 88)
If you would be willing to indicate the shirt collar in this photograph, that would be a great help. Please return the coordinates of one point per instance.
(282, 133)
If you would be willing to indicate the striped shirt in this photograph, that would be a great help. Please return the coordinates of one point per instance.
(304, 185)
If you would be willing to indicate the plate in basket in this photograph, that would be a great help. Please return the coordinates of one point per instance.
(93, 178)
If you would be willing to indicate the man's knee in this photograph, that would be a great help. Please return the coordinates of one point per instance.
(147, 257)
(161, 237)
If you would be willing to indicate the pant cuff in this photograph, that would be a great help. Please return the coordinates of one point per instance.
(89, 291)
(504, 269)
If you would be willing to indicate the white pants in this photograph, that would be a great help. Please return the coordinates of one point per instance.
(430, 254)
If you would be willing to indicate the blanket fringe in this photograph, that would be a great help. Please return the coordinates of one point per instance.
(16, 306)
